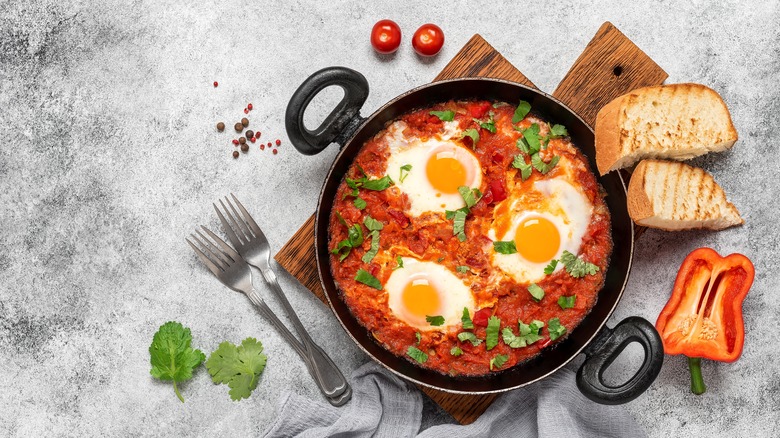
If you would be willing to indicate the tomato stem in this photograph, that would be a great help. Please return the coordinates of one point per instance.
(178, 394)
(697, 382)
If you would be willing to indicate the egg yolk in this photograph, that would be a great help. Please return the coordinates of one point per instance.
(537, 240)
(420, 298)
(445, 172)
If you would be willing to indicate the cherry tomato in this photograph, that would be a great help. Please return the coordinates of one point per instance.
(428, 39)
(386, 36)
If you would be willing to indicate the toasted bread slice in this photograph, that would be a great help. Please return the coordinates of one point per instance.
(675, 196)
(678, 122)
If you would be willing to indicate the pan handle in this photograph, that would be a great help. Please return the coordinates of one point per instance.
(340, 124)
(606, 348)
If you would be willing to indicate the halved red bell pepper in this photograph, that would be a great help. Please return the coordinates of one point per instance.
(703, 318)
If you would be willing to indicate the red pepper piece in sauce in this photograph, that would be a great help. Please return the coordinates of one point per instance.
(497, 189)
(398, 217)
(481, 317)
(373, 268)
(477, 110)
(498, 158)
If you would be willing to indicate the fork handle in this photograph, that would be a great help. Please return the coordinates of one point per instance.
(337, 398)
(332, 378)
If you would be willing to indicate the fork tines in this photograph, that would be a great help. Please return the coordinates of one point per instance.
(217, 258)
(240, 227)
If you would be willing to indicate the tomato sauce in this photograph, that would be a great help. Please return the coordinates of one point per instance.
(430, 237)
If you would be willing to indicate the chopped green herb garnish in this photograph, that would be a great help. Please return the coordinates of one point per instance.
(505, 247)
(556, 131)
(416, 354)
(372, 224)
(470, 196)
(491, 332)
(459, 225)
(523, 146)
(456, 351)
(344, 244)
(473, 134)
(419, 337)
(567, 302)
(435, 321)
(404, 172)
(466, 319)
(490, 125)
(531, 139)
(360, 203)
(378, 184)
(353, 240)
(371, 253)
(450, 214)
(498, 361)
(555, 328)
(525, 169)
(366, 278)
(523, 108)
(400, 262)
(444, 116)
(536, 292)
(550, 268)
(541, 166)
(341, 219)
(440, 259)
(528, 334)
(576, 267)
(462, 269)
(471, 337)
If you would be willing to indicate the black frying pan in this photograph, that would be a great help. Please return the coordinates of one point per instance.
(600, 344)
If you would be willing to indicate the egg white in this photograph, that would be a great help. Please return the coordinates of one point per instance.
(454, 295)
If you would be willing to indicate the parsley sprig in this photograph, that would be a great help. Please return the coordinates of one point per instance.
(576, 267)
(172, 357)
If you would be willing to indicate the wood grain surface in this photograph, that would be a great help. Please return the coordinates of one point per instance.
(610, 66)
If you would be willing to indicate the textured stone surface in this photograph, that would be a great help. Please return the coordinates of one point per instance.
(110, 158)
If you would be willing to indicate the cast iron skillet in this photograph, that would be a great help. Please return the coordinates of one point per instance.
(600, 344)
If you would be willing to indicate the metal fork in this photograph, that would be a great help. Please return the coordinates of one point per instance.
(234, 272)
(249, 240)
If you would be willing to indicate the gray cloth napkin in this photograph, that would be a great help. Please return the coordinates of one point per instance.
(382, 405)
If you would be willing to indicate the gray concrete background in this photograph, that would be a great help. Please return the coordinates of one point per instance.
(110, 158)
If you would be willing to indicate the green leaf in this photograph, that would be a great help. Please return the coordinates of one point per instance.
(505, 247)
(366, 278)
(462, 269)
(456, 351)
(567, 302)
(404, 172)
(378, 184)
(528, 333)
(341, 219)
(550, 268)
(490, 125)
(372, 224)
(531, 138)
(238, 367)
(359, 203)
(418, 336)
(498, 361)
(555, 328)
(522, 144)
(536, 292)
(171, 356)
(523, 108)
(473, 134)
(466, 319)
(355, 235)
(400, 262)
(371, 253)
(525, 169)
(557, 131)
(491, 332)
(444, 116)
(340, 246)
(471, 337)
(511, 340)
(470, 196)
(541, 166)
(459, 225)
(576, 267)
(416, 354)
(435, 321)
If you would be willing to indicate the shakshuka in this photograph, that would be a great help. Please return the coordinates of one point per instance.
(469, 235)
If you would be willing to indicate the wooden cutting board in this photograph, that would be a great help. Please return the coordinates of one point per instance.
(610, 66)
